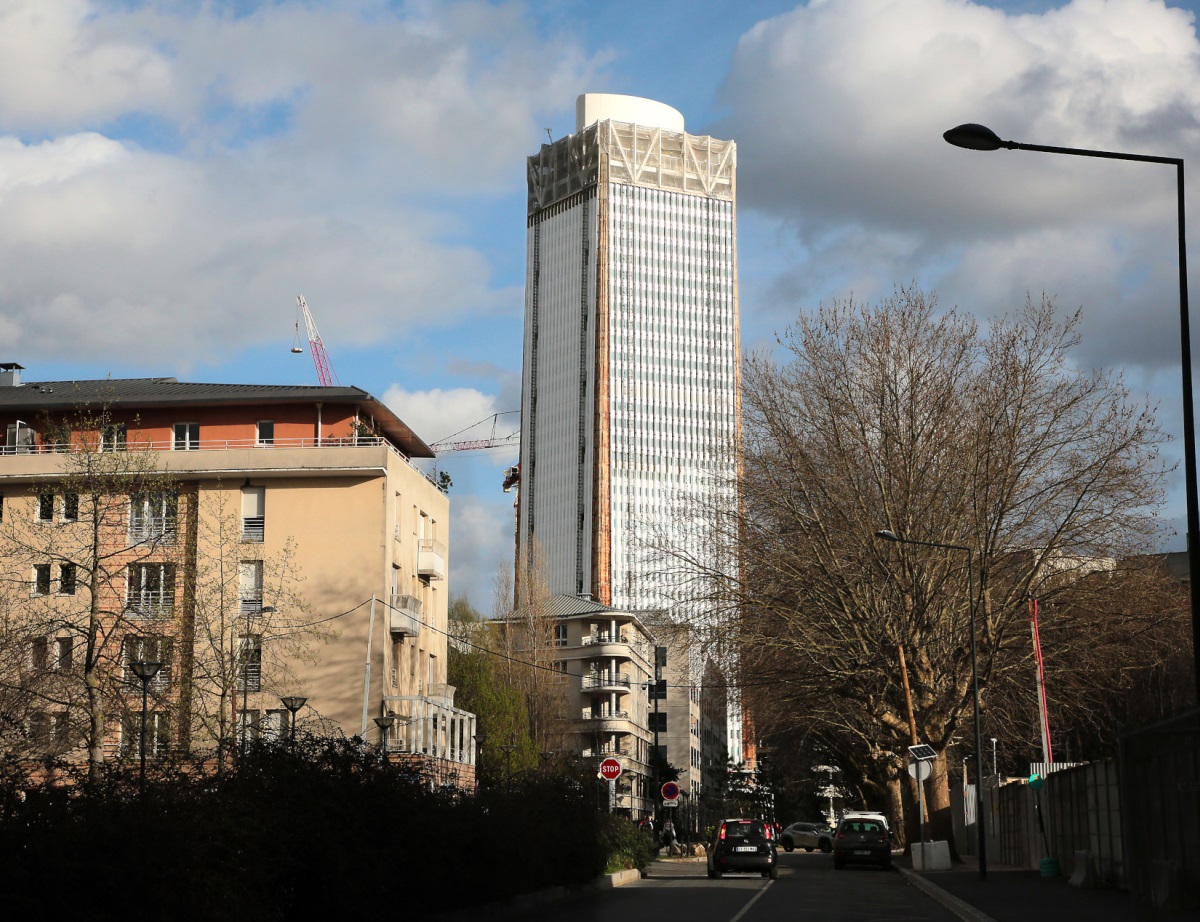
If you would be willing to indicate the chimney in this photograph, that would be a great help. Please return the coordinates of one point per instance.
(10, 374)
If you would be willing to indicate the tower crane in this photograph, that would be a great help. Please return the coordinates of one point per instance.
(325, 373)
(492, 441)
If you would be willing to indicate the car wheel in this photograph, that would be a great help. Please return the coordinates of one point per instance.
(716, 875)
(766, 873)
(774, 872)
(808, 848)
(788, 845)
(826, 845)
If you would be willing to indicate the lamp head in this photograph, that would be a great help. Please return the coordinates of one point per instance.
(144, 670)
(293, 702)
(973, 137)
(887, 535)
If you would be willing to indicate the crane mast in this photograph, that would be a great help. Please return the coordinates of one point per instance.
(325, 373)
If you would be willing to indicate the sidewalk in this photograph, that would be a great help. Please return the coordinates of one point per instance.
(1015, 894)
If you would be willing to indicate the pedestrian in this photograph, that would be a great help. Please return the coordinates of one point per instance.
(668, 836)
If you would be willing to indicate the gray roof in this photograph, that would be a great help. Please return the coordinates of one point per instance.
(50, 396)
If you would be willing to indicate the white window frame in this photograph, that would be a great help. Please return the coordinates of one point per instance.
(259, 438)
(185, 436)
(153, 602)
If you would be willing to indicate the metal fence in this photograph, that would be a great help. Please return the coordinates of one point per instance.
(1160, 799)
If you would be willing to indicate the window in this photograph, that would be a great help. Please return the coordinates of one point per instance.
(70, 507)
(41, 579)
(20, 439)
(560, 635)
(148, 648)
(39, 654)
(250, 662)
(62, 730)
(113, 437)
(66, 578)
(658, 722)
(151, 589)
(153, 517)
(64, 652)
(158, 734)
(39, 728)
(266, 432)
(254, 522)
(251, 583)
(658, 690)
(45, 507)
(187, 436)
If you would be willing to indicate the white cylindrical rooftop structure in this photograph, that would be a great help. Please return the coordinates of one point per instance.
(598, 107)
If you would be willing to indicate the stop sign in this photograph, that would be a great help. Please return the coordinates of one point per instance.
(610, 769)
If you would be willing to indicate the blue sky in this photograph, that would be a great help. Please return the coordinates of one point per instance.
(174, 173)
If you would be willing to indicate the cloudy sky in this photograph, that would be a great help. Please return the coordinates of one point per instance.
(174, 172)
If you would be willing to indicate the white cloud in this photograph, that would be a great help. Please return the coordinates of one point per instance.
(437, 414)
(481, 535)
(838, 110)
(60, 64)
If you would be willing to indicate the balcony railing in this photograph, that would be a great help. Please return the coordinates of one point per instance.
(607, 681)
(615, 715)
(168, 444)
(405, 615)
(431, 558)
(150, 608)
(605, 638)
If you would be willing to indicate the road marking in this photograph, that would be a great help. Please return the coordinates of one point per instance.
(757, 896)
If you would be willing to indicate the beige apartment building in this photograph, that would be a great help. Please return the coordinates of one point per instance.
(607, 656)
(269, 541)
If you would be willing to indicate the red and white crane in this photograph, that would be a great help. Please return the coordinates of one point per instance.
(325, 373)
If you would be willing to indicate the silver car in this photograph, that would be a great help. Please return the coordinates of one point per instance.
(807, 836)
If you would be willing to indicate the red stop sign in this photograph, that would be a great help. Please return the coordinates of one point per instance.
(610, 769)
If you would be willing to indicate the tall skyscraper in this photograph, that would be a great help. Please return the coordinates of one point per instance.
(631, 384)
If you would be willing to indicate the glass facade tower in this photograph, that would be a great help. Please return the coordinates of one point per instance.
(630, 391)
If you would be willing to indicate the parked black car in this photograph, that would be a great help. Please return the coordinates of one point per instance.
(742, 846)
(862, 839)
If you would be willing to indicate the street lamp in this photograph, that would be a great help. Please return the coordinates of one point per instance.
(976, 137)
(293, 703)
(384, 723)
(892, 536)
(508, 751)
(145, 671)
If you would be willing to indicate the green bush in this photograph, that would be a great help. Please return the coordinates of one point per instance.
(626, 846)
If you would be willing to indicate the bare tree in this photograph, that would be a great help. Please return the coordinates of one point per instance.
(91, 552)
(897, 417)
(252, 626)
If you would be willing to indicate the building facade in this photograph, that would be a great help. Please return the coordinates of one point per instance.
(630, 392)
(280, 543)
(607, 658)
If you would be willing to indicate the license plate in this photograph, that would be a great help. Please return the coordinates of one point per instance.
(746, 848)
(862, 851)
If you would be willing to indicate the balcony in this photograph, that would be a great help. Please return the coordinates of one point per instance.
(405, 620)
(606, 682)
(431, 559)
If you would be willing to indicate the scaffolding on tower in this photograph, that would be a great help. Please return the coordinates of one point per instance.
(325, 373)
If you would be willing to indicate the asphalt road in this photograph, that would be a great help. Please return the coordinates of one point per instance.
(808, 890)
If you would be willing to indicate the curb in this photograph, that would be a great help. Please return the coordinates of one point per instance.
(960, 908)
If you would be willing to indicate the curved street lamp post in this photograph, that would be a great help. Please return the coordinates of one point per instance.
(145, 671)
(293, 703)
(972, 136)
(892, 536)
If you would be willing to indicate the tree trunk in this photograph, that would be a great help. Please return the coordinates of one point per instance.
(896, 811)
(941, 822)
